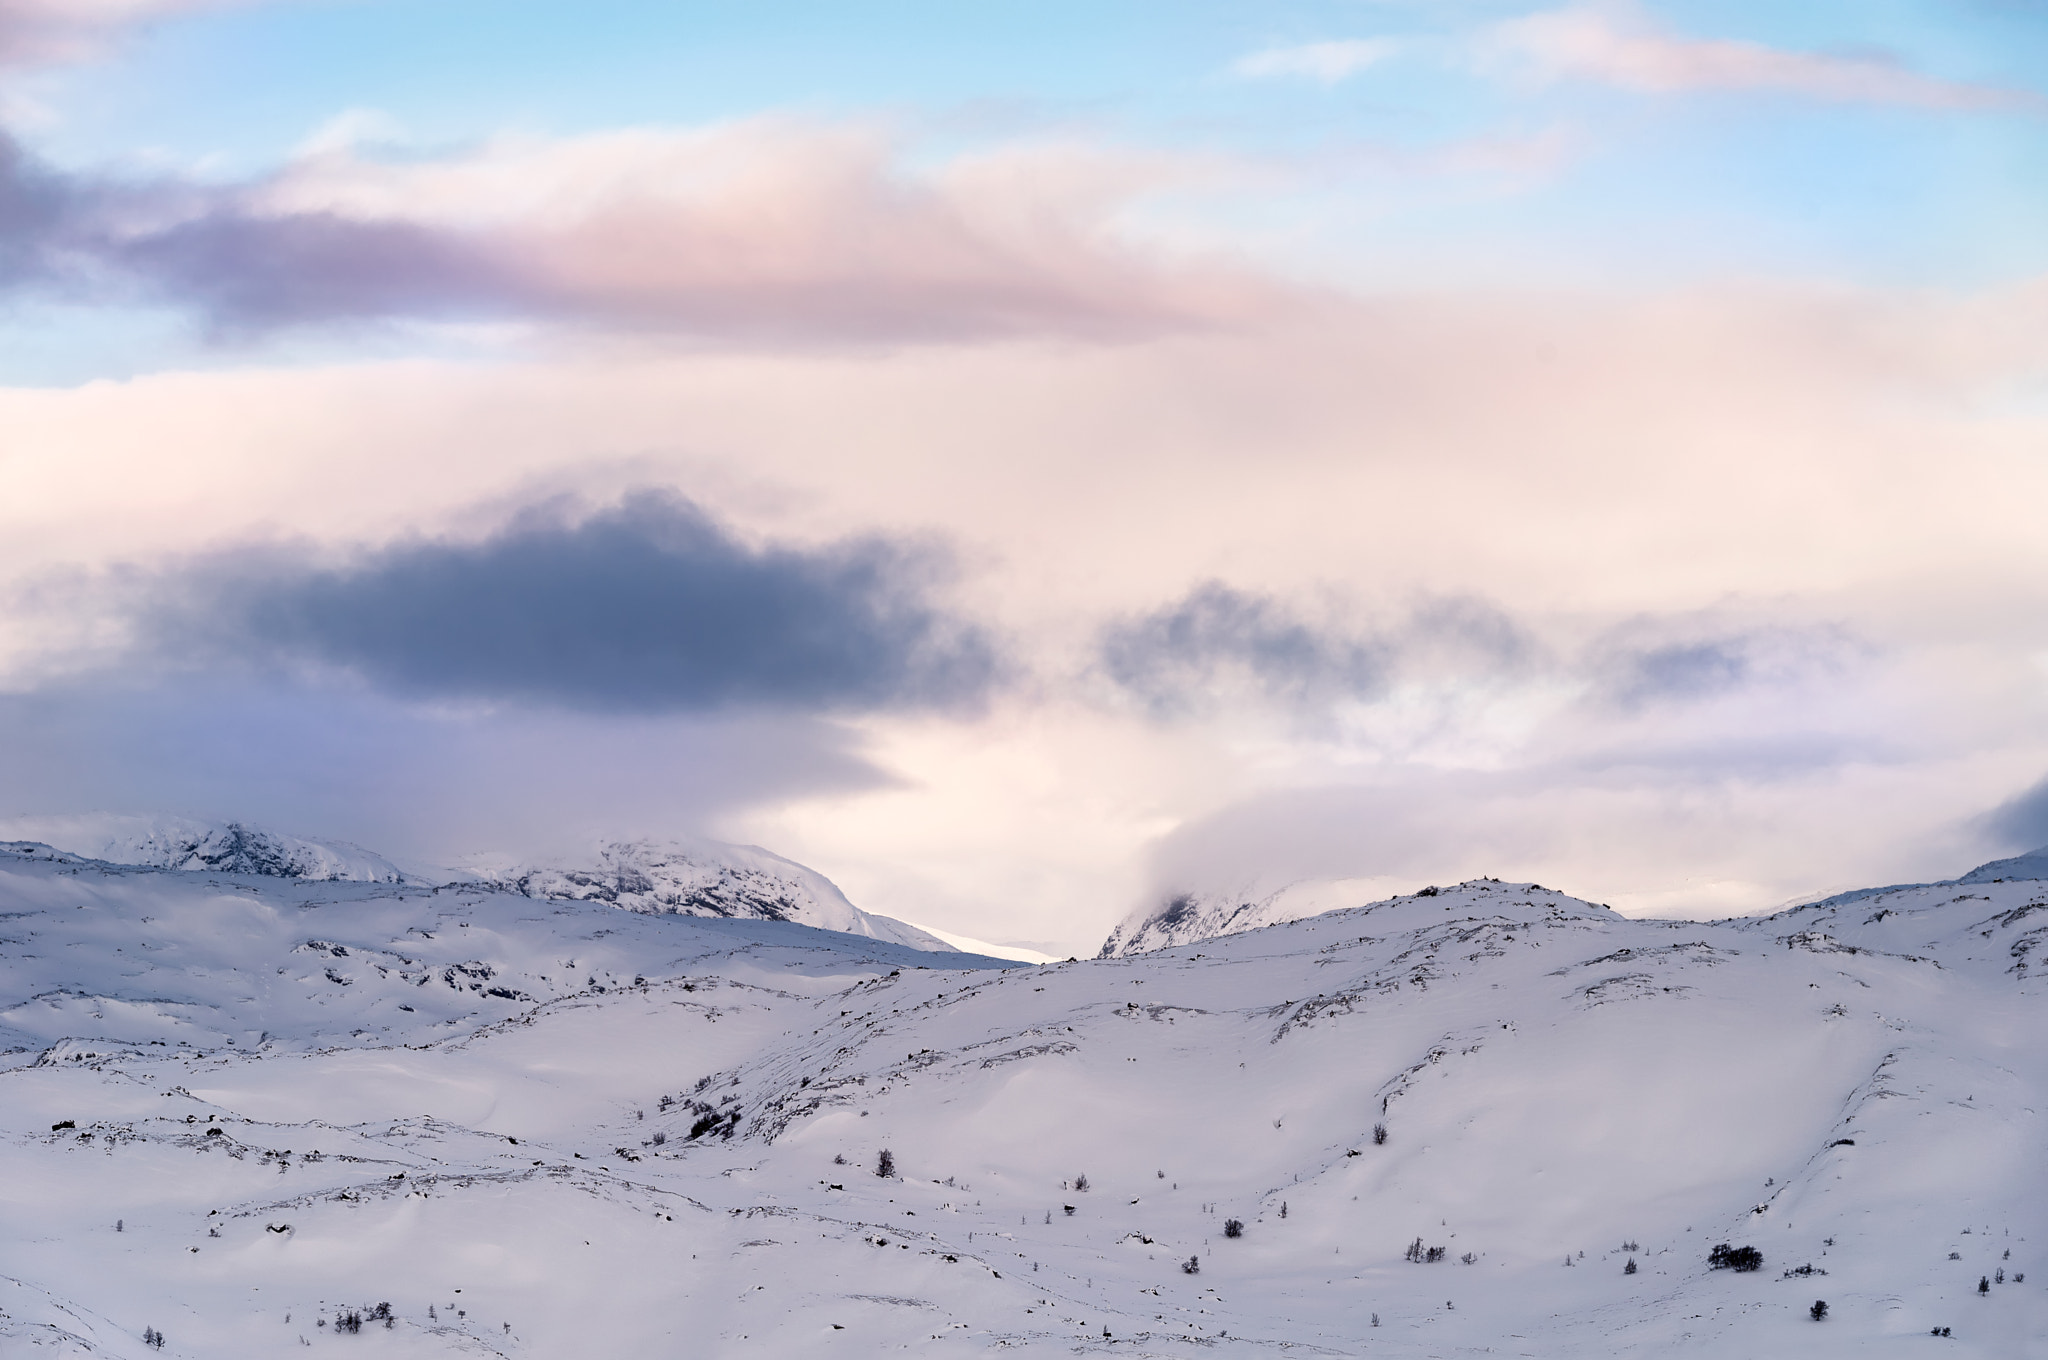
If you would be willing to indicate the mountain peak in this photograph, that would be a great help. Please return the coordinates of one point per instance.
(191, 844)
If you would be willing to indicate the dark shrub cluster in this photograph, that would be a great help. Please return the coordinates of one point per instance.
(1725, 1257)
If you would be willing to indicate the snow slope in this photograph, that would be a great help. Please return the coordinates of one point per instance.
(164, 842)
(670, 1146)
(1185, 917)
(680, 875)
(701, 878)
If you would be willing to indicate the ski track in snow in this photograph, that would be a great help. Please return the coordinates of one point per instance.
(573, 1130)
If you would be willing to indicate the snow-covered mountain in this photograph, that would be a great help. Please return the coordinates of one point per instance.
(2033, 864)
(678, 875)
(1185, 917)
(244, 1111)
(700, 878)
(164, 842)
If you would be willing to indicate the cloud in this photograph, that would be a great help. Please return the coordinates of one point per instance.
(1618, 44)
(1218, 639)
(647, 606)
(765, 230)
(1219, 645)
(417, 783)
(2021, 822)
(39, 31)
(1327, 62)
(1695, 658)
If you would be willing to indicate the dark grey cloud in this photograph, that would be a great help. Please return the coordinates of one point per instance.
(2021, 822)
(1218, 638)
(1678, 670)
(647, 606)
(1218, 643)
(1681, 660)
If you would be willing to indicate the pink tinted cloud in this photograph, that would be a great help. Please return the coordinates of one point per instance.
(765, 229)
(35, 31)
(1617, 44)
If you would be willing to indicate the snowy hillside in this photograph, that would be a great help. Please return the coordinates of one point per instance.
(183, 843)
(666, 1139)
(690, 877)
(1184, 917)
(701, 878)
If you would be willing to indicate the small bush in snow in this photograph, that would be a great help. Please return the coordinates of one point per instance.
(1081, 1181)
(1414, 1251)
(152, 1337)
(1434, 1255)
(1379, 1133)
(1819, 1310)
(1469, 1259)
(1983, 1285)
(1191, 1266)
(1630, 1268)
(1233, 1227)
(885, 1165)
(1725, 1257)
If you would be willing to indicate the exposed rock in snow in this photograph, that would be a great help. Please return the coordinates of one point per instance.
(187, 844)
(690, 877)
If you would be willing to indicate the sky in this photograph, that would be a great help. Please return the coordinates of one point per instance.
(1028, 461)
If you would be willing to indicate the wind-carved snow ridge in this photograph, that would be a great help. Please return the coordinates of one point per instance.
(190, 845)
(689, 877)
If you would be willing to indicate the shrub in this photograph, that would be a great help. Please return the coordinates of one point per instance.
(1081, 1181)
(1819, 1310)
(1469, 1259)
(1414, 1252)
(1233, 1227)
(1191, 1266)
(1725, 1257)
(1630, 1268)
(885, 1165)
(1379, 1133)
(1983, 1285)
(1433, 1255)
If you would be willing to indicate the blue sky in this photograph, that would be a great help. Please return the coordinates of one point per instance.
(1393, 441)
